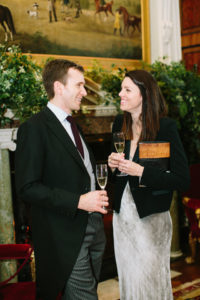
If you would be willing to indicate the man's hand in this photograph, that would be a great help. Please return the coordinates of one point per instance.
(94, 201)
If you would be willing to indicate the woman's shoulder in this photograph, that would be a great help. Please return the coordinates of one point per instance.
(168, 127)
(166, 121)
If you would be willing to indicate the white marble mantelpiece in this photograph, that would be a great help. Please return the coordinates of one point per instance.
(7, 138)
(7, 230)
(101, 110)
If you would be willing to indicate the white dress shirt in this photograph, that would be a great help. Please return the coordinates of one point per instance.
(61, 116)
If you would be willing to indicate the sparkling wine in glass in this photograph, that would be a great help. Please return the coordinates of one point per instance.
(119, 146)
(119, 143)
(102, 176)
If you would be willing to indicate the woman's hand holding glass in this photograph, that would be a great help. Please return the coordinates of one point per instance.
(130, 168)
(116, 160)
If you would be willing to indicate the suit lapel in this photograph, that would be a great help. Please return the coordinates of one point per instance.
(127, 149)
(134, 181)
(56, 127)
(136, 155)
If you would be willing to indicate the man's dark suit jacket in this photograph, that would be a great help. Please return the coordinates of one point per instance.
(157, 195)
(51, 176)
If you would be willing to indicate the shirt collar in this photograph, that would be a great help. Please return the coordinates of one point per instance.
(60, 114)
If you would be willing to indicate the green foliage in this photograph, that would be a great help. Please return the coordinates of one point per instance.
(110, 81)
(21, 86)
(96, 72)
(181, 89)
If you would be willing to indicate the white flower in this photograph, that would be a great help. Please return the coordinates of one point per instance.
(21, 69)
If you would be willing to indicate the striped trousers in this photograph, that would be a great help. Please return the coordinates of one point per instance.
(82, 283)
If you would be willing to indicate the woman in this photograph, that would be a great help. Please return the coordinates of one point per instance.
(142, 223)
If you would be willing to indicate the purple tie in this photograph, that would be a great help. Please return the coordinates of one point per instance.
(76, 135)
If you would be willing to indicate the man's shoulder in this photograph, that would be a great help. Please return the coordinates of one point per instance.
(167, 125)
(36, 120)
(166, 122)
(38, 117)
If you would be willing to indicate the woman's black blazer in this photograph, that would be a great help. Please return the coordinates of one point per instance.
(156, 196)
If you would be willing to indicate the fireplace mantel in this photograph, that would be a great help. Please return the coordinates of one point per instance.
(7, 138)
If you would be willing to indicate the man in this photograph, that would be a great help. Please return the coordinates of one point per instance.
(57, 180)
(52, 9)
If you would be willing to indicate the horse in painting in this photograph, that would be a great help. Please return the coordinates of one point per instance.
(6, 22)
(129, 20)
(106, 7)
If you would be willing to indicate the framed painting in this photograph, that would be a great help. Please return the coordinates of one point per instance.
(109, 31)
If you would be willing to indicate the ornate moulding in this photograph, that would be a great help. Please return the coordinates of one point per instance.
(7, 138)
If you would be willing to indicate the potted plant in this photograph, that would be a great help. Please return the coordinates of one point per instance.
(21, 89)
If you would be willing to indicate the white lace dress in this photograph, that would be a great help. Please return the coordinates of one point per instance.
(142, 250)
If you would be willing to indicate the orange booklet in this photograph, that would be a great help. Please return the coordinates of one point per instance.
(155, 154)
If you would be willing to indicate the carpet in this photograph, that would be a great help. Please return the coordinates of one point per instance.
(188, 290)
(109, 289)
(18, 291)
(175, 274)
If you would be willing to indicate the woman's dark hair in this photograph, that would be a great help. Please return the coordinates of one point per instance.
(153, 106)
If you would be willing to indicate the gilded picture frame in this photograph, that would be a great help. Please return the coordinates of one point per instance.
(37, 12)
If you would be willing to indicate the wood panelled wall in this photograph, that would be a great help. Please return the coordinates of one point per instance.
(190, 33)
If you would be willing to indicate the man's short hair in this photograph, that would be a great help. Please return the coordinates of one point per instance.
(57, 70)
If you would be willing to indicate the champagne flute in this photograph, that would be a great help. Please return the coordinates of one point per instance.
(119, 143)
(102, 176)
